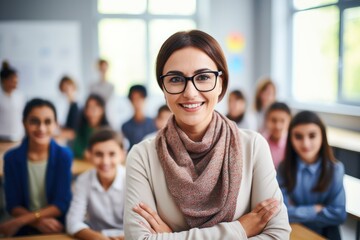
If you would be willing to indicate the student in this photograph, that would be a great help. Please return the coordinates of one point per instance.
(11, 105)
(277, 119)
(67, 86)
(161, 119)
(37, 176)
(93, 116)
(97, 207)
(136, 128)
(237, 111)
(103, 87)
(265, 95)
(201, 177)
(311, 179)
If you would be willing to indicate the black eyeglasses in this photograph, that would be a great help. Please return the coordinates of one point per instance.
(203, 82)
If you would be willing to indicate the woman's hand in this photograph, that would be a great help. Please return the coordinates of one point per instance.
(49, 225)
(157, 225)
(11, 227)
(255, 221)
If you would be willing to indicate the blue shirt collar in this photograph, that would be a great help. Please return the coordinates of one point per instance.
(312, 168)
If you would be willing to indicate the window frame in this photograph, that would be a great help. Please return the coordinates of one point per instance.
(341, 102)
(147, 17)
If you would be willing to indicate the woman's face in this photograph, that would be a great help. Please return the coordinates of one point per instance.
(93, 112)
(306, 140)
(236, 106)
(192, 109)
(268, 96)
(40, 125)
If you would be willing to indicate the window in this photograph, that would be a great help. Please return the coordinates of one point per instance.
(131, 33)
(326, 51)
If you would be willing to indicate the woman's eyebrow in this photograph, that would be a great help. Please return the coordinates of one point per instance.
(195, 72)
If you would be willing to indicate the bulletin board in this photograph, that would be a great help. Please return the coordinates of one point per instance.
(41, 52)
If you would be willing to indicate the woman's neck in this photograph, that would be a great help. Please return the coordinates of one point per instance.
(38, 152)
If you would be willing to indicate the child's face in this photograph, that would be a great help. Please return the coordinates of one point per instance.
(106, 156)
(138, 101)
(93, 112)
(236, 106)
(306, 140)
(162, 119)
(40, 125)
(11, 83)
(268, 96)
(277, 123)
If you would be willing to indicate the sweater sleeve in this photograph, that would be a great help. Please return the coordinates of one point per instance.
(138, 189)
(12, 183)
(264, 186)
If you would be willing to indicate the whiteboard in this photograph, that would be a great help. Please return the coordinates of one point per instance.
(42, 52)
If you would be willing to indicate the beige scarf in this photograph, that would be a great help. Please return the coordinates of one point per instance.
(202, 177)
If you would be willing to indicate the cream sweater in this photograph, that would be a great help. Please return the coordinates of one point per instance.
(145, 182)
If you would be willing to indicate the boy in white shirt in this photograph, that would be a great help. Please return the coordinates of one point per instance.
(97, 207)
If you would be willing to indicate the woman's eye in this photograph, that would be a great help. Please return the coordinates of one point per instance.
(176, 79)
(202, 77)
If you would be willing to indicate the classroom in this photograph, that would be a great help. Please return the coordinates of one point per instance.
(167, 119)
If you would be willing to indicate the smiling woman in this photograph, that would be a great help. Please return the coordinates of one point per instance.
(201, 177)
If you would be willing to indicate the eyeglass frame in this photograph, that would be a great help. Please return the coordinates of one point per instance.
(217, 74)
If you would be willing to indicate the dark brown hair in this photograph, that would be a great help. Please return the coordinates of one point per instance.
(66, 79)
(6, 71)
(262, 85)
(199, 40)
(288, 168)
(105, 134)
(278, 106)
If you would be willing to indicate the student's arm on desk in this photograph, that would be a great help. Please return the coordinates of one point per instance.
(333, 211)
(43, 220)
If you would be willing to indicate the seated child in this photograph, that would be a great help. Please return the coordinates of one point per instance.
(37, 176)
(277, 119)
(311, 179)
(97, 208)
(93, 117)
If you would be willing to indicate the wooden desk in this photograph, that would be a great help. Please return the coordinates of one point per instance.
(344, 139)
(80, 166)
(43, 237)
(300, 232)
(352, 186)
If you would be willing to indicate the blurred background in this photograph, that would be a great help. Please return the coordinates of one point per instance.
(311, 49)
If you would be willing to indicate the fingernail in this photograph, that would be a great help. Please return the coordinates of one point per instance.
(141, 204)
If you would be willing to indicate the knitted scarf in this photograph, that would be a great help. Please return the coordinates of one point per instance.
(202, 177)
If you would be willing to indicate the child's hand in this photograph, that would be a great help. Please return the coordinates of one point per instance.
(157, 225)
